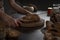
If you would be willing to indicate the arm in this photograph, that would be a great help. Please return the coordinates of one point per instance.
(3, 15)
(18, 8)
(8, 19)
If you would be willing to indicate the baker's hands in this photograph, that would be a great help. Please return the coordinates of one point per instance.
(29, 14)
(10, 21)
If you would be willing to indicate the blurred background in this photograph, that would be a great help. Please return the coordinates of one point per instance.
(41, 4)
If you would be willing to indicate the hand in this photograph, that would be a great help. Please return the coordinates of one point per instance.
(10, 21)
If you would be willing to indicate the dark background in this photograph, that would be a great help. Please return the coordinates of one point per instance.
(41, 4)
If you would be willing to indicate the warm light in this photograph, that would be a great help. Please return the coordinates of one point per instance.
(49, 7)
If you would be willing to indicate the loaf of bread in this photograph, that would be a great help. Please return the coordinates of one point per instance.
(14, 33)
(30, 18)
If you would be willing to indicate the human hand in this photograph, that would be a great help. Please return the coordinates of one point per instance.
(11, 22)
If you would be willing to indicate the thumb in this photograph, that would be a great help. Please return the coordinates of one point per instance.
(16, 23)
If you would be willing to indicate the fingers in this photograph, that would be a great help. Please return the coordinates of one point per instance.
(29, 14)
(12, 23)
(18, 22)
